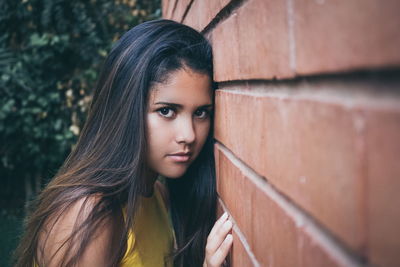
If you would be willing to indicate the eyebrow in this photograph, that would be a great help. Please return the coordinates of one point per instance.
(180, 106)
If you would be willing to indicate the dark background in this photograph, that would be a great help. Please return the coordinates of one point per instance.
(50, 55)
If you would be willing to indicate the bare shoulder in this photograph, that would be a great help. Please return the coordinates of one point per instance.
(164, 193)
(55, 243)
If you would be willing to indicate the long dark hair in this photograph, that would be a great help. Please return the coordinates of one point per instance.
(109, 158)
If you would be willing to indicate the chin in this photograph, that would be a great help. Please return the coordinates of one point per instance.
(174, 174)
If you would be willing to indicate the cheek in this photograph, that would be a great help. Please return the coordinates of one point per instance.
(203, 132)
(157, 133)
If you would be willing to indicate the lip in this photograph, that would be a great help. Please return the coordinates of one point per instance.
(180, 157)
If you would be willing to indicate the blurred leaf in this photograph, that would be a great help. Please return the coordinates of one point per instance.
(46, 48)
(37, 40)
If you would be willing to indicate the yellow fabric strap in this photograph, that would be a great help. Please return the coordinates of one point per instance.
(152, 238)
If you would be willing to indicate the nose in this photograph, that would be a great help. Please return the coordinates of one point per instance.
(185, 131)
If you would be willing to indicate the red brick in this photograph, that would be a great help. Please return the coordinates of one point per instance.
(259, 30)
(333, 36)
(202, 12)
(239, 256)
(238, 205)
(180, 10)
(194, 16)
(226, 51)
(211, 9)
(263, 46)
(169, 9)
(383, 165)
(277, 235)
(306, 148)
(312, 255)
(164, 6)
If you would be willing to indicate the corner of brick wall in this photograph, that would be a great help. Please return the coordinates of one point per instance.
(307, 127)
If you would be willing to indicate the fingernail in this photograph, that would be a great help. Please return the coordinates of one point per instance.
(229, 237)
(224, 215)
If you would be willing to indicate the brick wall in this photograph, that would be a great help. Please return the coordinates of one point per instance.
(307, 127)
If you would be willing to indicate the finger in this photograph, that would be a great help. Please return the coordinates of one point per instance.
(216, 240)
(218, 223)
(222, 251)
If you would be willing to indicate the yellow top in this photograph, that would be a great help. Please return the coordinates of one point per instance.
(153, 237)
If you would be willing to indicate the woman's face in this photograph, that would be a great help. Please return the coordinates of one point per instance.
(178, 121)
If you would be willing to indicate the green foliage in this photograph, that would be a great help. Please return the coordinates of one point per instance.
(50, 54)
(11, 226)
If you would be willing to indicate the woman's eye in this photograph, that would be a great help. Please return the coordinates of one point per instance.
(201, 113)
(166, 112)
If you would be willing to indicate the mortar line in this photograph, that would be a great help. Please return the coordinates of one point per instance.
(358, 93)
(241, 236)
(187, 10)
(223, 14)
(301, 218)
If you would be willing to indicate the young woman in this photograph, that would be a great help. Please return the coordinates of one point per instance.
(150, 120)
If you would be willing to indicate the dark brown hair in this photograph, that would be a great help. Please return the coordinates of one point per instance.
(109, 157)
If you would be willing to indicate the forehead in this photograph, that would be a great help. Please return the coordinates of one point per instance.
(184, 87)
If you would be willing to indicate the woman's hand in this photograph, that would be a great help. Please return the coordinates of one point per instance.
(219, 242)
